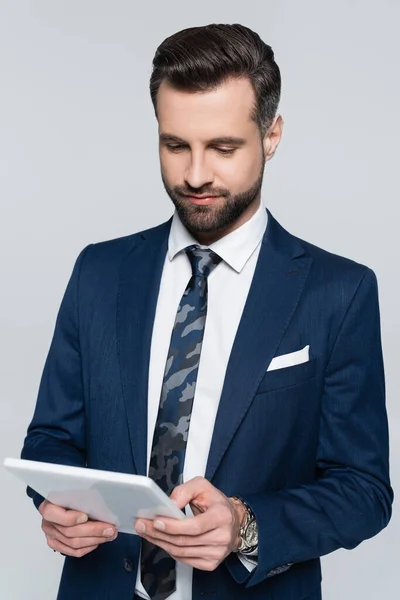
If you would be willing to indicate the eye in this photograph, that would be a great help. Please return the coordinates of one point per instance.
(225, 151)
(175, 147)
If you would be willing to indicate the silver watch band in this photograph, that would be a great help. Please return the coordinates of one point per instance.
(250, 517)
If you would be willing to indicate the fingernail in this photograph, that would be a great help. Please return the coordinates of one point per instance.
(108, 532)
(140, 527)
(159, 525)
(82, 519)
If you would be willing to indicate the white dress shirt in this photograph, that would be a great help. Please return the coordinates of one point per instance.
(228, 287)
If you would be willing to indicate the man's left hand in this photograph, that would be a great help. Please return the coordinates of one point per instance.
(204, 540)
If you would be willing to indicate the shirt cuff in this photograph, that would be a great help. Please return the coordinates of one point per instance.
(248, 560)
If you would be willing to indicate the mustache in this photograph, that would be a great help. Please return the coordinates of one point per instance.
(200, 192)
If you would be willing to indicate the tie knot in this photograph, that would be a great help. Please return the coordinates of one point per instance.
(202, 260)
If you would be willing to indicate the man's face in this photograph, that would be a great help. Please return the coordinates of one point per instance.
(212, 156)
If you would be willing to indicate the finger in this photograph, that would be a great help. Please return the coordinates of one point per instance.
(58, 546)
(201, 563)
(216, 538)
(219, 536)
(62, 516)
(179, 552)
(191, 489)
(52, 531)
(89, 529)
(215, 517)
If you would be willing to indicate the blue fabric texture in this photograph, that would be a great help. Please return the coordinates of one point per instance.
(305, 446)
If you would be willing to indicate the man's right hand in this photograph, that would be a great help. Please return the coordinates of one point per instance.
(70, 532)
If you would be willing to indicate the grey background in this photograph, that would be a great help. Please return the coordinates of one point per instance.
(79, 164)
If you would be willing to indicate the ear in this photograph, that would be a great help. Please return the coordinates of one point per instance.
(272, 137)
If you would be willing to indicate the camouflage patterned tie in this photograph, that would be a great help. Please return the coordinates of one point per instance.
(158, 569)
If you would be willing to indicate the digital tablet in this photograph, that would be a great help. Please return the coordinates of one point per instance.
(116, 498)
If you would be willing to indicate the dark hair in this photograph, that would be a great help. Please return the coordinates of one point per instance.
(202, 58)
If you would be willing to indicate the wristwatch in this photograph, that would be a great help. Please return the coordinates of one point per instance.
(248, 531)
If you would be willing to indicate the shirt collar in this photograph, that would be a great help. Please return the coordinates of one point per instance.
(235, 248)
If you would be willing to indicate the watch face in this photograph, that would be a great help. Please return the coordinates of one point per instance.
(251, 534)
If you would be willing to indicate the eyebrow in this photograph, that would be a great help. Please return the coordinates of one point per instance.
(226, 139)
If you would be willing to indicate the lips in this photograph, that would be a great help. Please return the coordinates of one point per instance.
(201, 199)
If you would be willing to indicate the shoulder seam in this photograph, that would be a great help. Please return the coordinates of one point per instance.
(80, 260)
(367, 270)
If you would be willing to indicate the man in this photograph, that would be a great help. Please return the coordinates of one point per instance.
(263, 412)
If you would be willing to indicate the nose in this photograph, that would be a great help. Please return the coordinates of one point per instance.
(199, 172)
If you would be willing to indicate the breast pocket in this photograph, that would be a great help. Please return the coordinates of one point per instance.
(287, 376)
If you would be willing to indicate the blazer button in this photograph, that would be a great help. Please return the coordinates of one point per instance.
(128, 565)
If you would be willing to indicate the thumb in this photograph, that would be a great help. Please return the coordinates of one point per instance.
(188, 491)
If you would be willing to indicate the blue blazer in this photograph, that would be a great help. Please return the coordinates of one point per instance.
(306, 446)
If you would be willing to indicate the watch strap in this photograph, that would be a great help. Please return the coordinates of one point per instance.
(249, 517)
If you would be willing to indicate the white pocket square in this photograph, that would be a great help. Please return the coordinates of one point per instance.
(289, 360)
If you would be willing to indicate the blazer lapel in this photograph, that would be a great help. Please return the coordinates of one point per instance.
(278, 282)
(137, 300)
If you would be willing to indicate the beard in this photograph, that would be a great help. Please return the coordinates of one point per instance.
(217, 216)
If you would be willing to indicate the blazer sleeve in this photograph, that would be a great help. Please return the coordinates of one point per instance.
(56, 433)
(351, 498)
